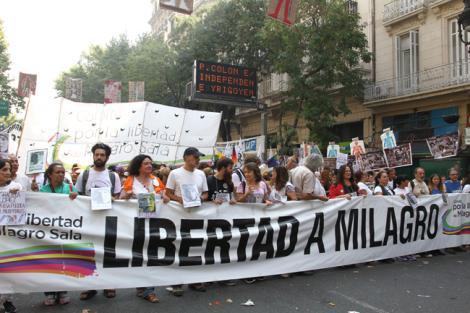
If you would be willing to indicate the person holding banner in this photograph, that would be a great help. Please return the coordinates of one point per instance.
(417, 186)
(23, 180)
(195, 179)
(381, 188)
(453, 185)
(55, 175)
(254, 189)
(98, 177)
(142, 181)
(307, 186)
(361, 181)
(345, 187)
(220, 185)
(466, 184)
(282, 189)
(7, 185)
(436, 187)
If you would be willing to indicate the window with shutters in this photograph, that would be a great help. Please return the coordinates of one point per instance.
(458, 53)
(407, 61)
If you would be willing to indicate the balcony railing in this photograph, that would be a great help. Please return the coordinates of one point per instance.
(399, 8)
(432, 79)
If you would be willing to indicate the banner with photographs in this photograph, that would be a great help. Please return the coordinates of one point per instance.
(445, 146)
(180, 6)
(136, 91)
(237, 149)
(399, 156)
(73, 89)
(27, 85)
(329, 163)
(373, 161)
(284, 11)
(112, 91)
(388, 139)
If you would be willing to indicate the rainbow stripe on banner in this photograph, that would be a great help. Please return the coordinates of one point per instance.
(463, 229)
(75, 260)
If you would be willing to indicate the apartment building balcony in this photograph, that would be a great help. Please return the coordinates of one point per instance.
(399, 10)
(438, 80)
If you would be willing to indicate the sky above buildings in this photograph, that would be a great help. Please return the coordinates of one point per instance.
(46, 37)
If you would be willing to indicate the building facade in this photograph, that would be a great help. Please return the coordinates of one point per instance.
(420, 78)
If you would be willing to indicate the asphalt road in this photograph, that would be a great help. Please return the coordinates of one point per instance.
(437, 284)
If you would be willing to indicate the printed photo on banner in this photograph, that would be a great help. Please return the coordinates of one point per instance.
(373, 161)
(180, 6)
(4, 145)
(399, 156)
(73, 89)
(388, 139)
(36, 161)
(147, 205)
(12, 208)
(332, 151)
(136, 91)
(445, 146)
(341, 159)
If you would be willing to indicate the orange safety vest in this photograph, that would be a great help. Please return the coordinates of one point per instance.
(158, 185)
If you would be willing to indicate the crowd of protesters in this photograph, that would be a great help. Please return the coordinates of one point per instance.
(253, 182)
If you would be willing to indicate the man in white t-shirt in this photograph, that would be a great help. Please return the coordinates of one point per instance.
(188, 175)
(96, 177)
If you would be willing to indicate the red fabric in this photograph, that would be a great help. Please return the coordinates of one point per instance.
(335, 191)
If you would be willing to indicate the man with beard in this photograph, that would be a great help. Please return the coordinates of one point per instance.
(220, 185)
(98, 176)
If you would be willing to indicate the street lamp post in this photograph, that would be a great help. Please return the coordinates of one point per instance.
(464, 21)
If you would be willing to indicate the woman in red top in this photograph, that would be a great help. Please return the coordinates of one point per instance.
(345, 186)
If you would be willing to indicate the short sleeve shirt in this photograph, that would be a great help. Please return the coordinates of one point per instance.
(181, 176)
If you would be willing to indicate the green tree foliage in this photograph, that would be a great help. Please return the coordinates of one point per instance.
(6, 91)
(321, 53)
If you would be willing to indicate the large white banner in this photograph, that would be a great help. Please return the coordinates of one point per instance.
(69, 130)
(71, 247)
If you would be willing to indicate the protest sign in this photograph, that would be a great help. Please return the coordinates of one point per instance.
(399, 156)
(388, 139)
(332, 151)
(445, 146)
(12, 208)
(72, 128)
(373, 161)
(36, 161)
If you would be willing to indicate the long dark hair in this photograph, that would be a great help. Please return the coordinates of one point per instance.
(440, 185)
(377, 177)
(282, 177)
(340, 179)
(4, 162)
(253, 167)
(136, 163)
(48, 173)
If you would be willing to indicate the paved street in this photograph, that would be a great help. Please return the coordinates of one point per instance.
(438, 284)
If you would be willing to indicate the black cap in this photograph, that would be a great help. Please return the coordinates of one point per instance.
(193, 151)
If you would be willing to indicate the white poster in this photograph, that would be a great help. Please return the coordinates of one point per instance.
(70, 247)
(36, 161)
(4, 145)
(332, 151)
(12, 208)
(388, 139)
(72, 128)
(248, 145)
